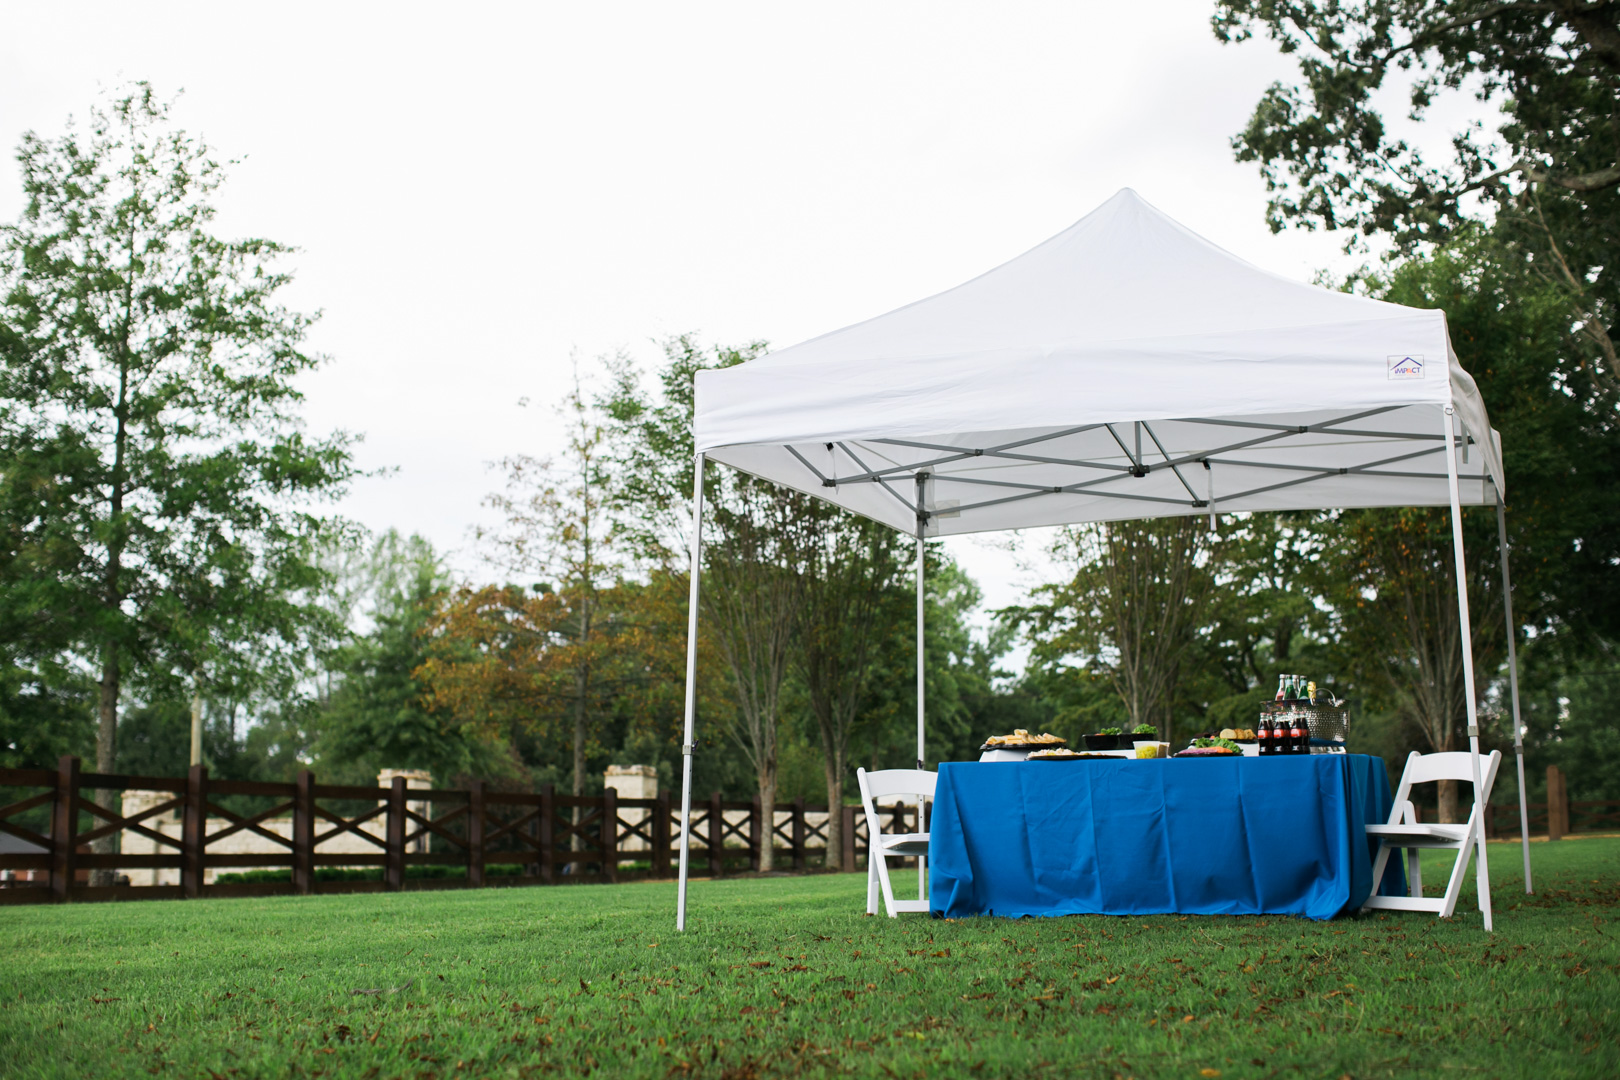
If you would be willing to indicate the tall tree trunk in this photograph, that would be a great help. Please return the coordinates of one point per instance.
(582, 689)
(107, 710)
(107, 754)
(766, 776)
(581, 686)
(833, 762)
(1447, 791)
(113, 599)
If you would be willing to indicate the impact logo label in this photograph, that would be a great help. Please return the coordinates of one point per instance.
(1406, 367)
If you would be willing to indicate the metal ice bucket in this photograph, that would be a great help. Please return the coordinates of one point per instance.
(1328, 723)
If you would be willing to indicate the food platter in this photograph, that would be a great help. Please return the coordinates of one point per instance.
(1071, 755)
(1213, 748)
(1023, 740)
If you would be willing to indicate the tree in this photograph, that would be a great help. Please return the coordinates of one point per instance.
(148, 392)
(1391, 578)
(1551, 168)
(557, 525)
(754, 565)
(377, 712)
(1546, 181)
(1139, 596)
(46, 710)
(651, 449)
(854, 598)
(754, 546)
(1388, 574)
(1266, 619)
(1512, 234)
(483, 676)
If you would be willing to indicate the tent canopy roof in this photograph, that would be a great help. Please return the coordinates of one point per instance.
(1124, 368)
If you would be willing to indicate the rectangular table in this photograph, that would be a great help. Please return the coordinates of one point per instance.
(1230, 836)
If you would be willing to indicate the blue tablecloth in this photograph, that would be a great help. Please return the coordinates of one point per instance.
(1282, 836)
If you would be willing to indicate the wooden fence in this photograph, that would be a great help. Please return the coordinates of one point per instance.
(1590, 815)
(485, 836)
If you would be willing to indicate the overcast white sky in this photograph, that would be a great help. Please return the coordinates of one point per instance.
(480, 190)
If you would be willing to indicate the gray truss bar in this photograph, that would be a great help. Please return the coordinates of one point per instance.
(1037, 459)
(856, 459)
(1173, 468)
(1323, 473)
(1135, 459)
(806, 463)
(1285, 427)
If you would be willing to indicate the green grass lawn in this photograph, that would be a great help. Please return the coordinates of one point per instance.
(786, 976)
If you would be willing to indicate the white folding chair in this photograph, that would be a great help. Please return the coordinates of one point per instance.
(1404, 831)
(881, 846)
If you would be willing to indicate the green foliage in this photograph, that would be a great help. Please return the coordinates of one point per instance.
(651, 447)
(1562, 459)
(1130, 614)
(46, 711)
(1573, 721)
(1561, 450)
(374, 715)
(789, 977)
(1514, 238)
(1333, 160)
(156, 485)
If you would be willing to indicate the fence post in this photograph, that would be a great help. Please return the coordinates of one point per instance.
(65, 828)
(661, 837)
(548, 818)
(394, 875)
(798, 833)
(610, 833)
(760, 833)
(1557, 804)
(303, 873)
(717, 837)
(846, 850)
(475, 834)
(194, 832)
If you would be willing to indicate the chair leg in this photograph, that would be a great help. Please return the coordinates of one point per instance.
(1454, 887)
(1482, 880)
(872, 884)
(883, 883)
(922, 877)
(1414, 872)
(1380, 861)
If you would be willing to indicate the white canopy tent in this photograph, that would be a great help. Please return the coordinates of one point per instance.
(1126, 368)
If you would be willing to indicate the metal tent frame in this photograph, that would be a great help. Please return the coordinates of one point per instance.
(1149, 479)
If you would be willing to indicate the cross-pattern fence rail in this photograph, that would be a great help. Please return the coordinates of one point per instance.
(305, 837)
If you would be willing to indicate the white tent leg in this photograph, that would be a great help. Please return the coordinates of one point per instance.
(921, 659)
(1513, 687)
(691, 691)
(1483, 876)
(922, 863)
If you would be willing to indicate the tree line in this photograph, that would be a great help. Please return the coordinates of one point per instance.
(168, 548)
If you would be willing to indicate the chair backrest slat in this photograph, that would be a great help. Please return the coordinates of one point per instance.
(1453, 765)
(913, 782)
(901, 782)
